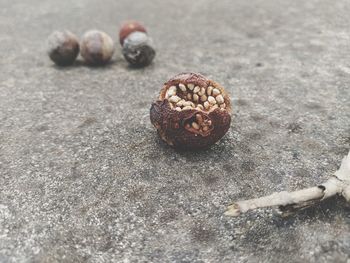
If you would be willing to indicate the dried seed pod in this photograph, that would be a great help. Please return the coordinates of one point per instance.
(194, 127)
(96, 47)
(63, 47)
(129, 27)
(138, 49)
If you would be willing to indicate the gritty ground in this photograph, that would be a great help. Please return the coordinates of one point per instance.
(85, 178)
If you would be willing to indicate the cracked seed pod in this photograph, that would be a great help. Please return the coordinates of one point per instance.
(192, 112)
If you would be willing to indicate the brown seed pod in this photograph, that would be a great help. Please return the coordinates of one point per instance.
(63, 47)
(129, 27)
(96, 47)
(192, 112)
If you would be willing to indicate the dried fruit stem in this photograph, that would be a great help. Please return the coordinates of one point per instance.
(289, 201)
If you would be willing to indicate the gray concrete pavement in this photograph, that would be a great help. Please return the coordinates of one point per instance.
(84, 177)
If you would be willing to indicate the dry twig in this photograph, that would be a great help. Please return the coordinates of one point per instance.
(339, 183)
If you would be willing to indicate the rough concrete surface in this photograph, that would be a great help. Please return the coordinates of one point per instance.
(85, 178)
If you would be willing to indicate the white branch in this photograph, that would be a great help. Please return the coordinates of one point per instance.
(337, 184)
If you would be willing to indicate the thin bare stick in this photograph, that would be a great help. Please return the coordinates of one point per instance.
(339, 183)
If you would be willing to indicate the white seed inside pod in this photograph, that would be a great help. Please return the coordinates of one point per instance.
(199, 106)
(214, 107)
(220, 99)
(187, 103)
(187, 108)
(170, 93)
(195, 97)
(195, 125)
(204, 98)
(206, 105)
(216, 92)
(189, 96)
(178, 108)
(174, 99)
(210, 90)
(182, 87)
(223, 106)
(172, 90)
(196, 89)
(190, 86)
(211, 100)
(180, 103)
(205, 128)
(202, 92)
(199, 118)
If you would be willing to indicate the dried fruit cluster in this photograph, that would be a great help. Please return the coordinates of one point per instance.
(191, 112)
(97, 48)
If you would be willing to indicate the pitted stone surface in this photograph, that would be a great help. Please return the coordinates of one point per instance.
(85, 178)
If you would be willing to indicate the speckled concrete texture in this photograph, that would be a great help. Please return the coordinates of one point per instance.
(85, 178)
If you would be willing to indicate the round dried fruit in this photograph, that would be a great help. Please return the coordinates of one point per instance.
(129, 27)
(192, 112)
(138, 49)
(96, 47)
(63, 47)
